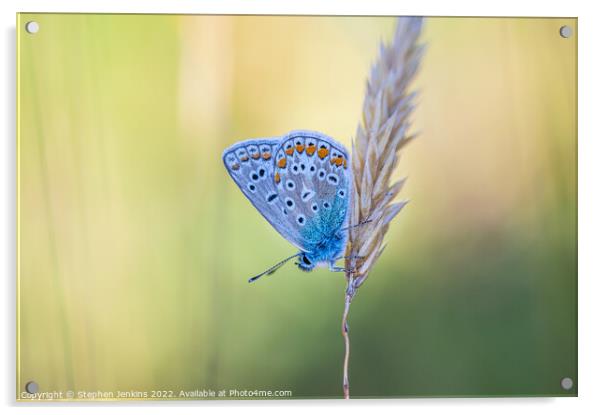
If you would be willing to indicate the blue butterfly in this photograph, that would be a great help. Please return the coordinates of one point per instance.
(300, 183)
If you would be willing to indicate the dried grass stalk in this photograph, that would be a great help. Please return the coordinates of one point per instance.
(380, 137)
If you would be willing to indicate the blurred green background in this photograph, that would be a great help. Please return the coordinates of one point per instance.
(135, 245)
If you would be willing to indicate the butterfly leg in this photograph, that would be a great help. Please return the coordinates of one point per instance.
(357, 225)
(334, 268)
(351, 257)
(341, 233)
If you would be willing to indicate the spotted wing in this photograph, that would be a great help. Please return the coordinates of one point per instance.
(311, 173)
(251, 165)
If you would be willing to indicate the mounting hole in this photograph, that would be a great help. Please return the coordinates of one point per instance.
(31, 387)
(567, 384)
(32, 27)
(566, 31)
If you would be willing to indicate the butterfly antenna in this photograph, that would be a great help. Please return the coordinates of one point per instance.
(274, 268)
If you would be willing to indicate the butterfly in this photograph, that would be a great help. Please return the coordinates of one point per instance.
(300, 183)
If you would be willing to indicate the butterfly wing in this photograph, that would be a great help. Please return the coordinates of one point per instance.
(312, 178)
(299, 183)
(251, 165)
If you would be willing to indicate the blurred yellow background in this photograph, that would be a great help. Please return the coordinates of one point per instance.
(135, 246)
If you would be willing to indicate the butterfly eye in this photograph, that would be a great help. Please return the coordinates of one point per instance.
(306, 260)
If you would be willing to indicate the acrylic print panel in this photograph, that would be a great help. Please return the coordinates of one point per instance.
(143, 210)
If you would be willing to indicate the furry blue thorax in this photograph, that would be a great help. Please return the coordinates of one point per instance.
(328, 239)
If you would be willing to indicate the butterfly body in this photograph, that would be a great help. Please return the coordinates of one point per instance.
(326, 241)
(300, 184)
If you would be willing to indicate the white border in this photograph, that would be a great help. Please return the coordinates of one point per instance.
(590, 206)
(333, 7)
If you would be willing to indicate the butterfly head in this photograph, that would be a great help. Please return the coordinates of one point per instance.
(305, 262)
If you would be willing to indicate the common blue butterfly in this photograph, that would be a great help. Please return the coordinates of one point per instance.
(300, 183)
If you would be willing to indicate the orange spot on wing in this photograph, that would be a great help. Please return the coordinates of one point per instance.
(267, 156)
(282, 162)
(235, 166)
(345, 163)
(311, 149)
(255, 156)
(323, 152)
(338, 161)
(300, 148)
(244, 158)
(289, 151)
(277, 177)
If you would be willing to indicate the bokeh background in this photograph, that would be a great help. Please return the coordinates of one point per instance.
(135, 246)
